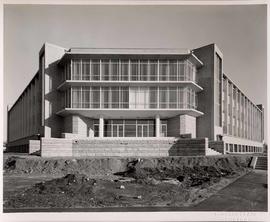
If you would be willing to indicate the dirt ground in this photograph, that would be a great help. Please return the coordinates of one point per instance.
(117, 182)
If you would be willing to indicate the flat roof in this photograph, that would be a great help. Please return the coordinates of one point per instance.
(127, 51)
(134, 53)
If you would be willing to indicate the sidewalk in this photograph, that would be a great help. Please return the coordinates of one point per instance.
(248, 193)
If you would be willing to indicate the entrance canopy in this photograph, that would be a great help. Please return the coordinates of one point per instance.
(129, 113)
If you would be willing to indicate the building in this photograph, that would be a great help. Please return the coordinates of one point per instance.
(92, 94)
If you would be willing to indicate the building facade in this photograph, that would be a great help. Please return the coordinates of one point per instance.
(82, 93)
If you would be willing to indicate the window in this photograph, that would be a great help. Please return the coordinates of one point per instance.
(124, 70)
(162, 97)
(95, 97)
(173, 70)
(143, 70)
(153, 97)
(163, 70)
(85, 69)
(173, 97)
(105, 70)
(95, 69)
(115, 97)
(115, 69)
(76, 70)
(153, 72)
(134, 70)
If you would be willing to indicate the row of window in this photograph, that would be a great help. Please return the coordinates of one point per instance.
(130, 97)
(243, 119)
(130, 128)
(130, 70)
(234, 148)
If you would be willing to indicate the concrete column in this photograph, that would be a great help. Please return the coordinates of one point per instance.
(101, 127)
(157, 126)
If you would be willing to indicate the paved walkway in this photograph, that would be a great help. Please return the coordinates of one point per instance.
(249, 193)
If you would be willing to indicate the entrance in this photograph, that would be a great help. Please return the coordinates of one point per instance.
(142, 130)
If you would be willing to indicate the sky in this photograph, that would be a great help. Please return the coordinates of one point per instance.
(239, 31)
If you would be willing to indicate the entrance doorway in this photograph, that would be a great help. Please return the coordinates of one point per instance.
(142, 130)
(118, 130)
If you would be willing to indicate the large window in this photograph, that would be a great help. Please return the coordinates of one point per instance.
(131, 128)
(130, 97)
(130, 69)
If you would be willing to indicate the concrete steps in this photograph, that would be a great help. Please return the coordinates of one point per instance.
(211, 152)
(261, 163)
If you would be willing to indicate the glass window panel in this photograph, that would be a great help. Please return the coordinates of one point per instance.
(107, 130)
(95, 70)
(143, 70)
(76, 97)
(124, 70)
(153, 72)
(125, 97)
(130, 130)
(173, 70)
(95, 101)
(173, 97)
(96, 130)
(153, 98)
(115, 69)
(85, 70)
(181, 71)
(76, 69)
(105, 69)
(106, 97)
(181, 101)
(162, 97)
(134, 70)
(85, 97)
(163, 70)
(115, 97)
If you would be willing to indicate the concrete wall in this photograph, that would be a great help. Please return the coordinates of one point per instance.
(53, 124)
(24, 116)
(53, 147)
(206, 98)
(34, 146)
(188, 125)
(79, 125)
(123, 147)
(241, 141)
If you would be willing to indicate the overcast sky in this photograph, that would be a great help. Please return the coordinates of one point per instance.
(239, 31)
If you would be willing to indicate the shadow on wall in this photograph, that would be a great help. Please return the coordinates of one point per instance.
(53, 97)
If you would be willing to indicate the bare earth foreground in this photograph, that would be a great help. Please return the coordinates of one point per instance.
(183, 183)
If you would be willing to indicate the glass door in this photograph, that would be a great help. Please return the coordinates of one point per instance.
(142, 130)
(118, 130)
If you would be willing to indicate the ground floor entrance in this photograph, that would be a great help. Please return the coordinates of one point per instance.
(131, 128)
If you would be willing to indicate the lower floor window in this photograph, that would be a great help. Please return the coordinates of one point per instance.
(131, 128)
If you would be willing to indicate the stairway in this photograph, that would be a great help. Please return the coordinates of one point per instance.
(261, 163)
(211, 152)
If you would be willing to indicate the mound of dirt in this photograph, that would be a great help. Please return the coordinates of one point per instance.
(190, 175)
(146, 182)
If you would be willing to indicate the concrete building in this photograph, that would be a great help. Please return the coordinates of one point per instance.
(83, 95)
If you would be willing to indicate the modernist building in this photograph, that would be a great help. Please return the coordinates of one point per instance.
(83, 93)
